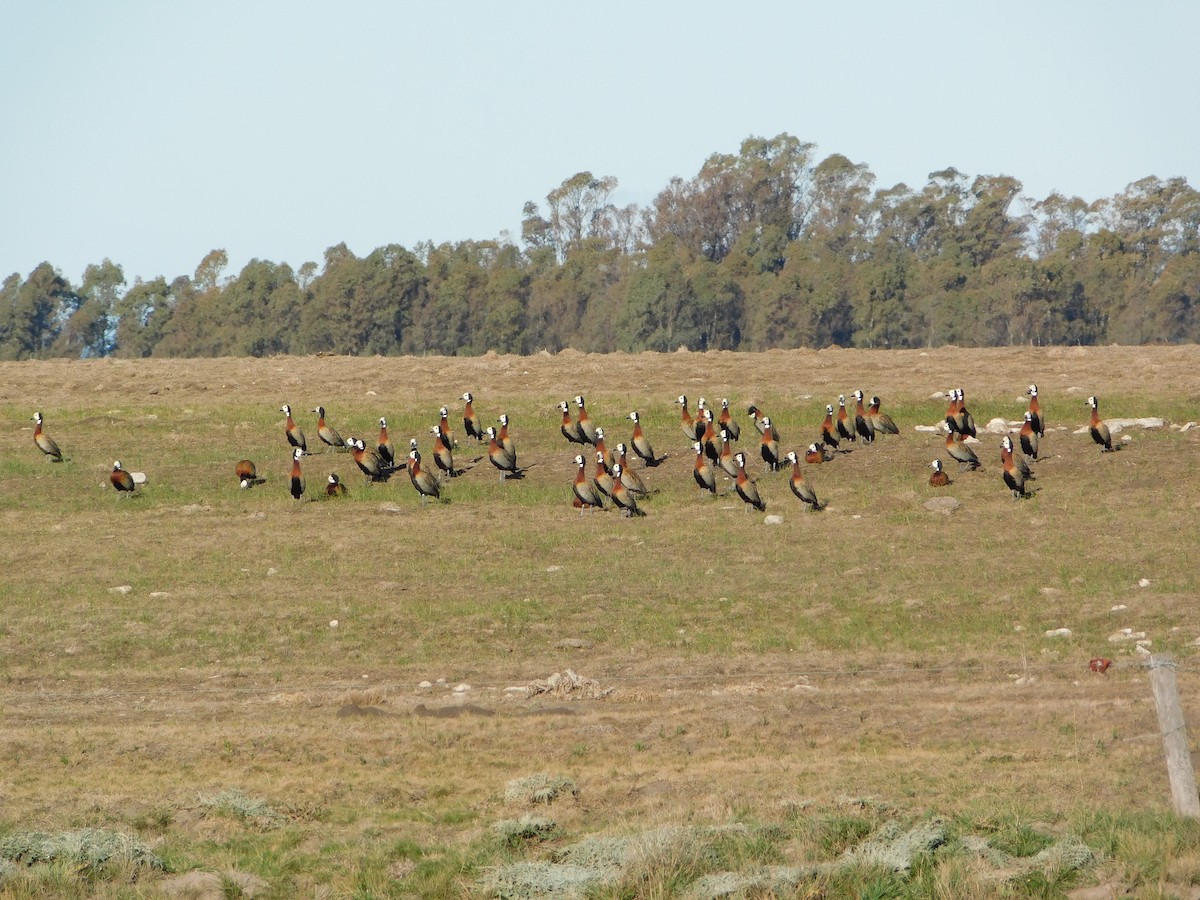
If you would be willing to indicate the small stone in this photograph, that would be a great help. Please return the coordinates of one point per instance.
(462, 688)
(1126, 634)
(272, 571)
(1119, 607)
(927, 428)
(574, 644)
(1126, 439)
(553, 568)
(157, 595)
(1059, 632)
(1050, 592)
(1188, 427)
(1144, 582)
(333, 623)
(389, 509)
(425, 685)
(943, 505)
(772, 520)
(121, 589)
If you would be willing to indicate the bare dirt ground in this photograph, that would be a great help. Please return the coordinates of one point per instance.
(680, 736)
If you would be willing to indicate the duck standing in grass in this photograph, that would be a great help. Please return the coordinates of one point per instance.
(44, 442)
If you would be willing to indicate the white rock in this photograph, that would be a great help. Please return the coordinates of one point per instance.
(553, 568)
(461, 688)
(1126, 439)
(1059, 632)
(772, 520)
(1119, 607)
(272, 571)
(425, 685)
(1145, 651)
(158, 595)
(1124, 635)
(997, 426)
(333, 623)
(121, 589)
(1188, 427)
(937, 395)
(441, 681)
(138, 477)
(1144, 582)
(927, 428)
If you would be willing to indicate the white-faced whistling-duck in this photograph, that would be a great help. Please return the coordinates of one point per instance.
(756, 417)
(587, 428)
(745, 487)
(295, 436)
(121, 479)
(1039, 421)
(1022, 464)
(384, 446)
(952, 412)
(622, 497)
(726, 420)
(963, 419)
(1012, 475)
(44, 442)
(472, 426)
(334, 486)
(569, 428)
(500, 458)
(602, 449)
(641, 444)
(368, 460)
(296, 484)
(686, 422)
(602, 479)
(584, 488)
(725, 458)
(443, 456)
(863, 426)
(960, 452)
(703, 472)
(882, 421)
(1099, 430)
(425, 482)
(631, 479)
(444, 427)
(1029, 437)
(828, 430)
(817, 454)
(768, 446)
(802, 488)
(845, 427)
(247, 474)
(709, 438)
(503, 437)
(327, 434)
(939, 478)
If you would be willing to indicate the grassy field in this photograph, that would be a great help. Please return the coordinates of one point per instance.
(862, 701)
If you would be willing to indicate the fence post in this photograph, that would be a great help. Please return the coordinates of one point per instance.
(1174, 733)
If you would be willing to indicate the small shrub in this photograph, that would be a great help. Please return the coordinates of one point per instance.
(249, 809)
(513, 832)
(540, 788)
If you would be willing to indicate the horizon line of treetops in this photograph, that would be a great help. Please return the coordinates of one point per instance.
(767, 248)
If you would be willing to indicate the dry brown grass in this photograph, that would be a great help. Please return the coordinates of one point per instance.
(871, 650)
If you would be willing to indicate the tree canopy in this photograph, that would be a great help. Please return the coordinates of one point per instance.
(769, 247)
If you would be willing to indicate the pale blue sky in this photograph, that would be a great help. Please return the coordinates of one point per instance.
(152, 132)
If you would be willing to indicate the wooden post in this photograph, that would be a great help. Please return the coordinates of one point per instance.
(1174, 733)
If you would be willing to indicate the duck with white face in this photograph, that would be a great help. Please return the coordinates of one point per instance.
(745, 486)
(1098, 428)
(295, 437)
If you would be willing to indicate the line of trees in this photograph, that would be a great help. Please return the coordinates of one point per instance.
(767, 248)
